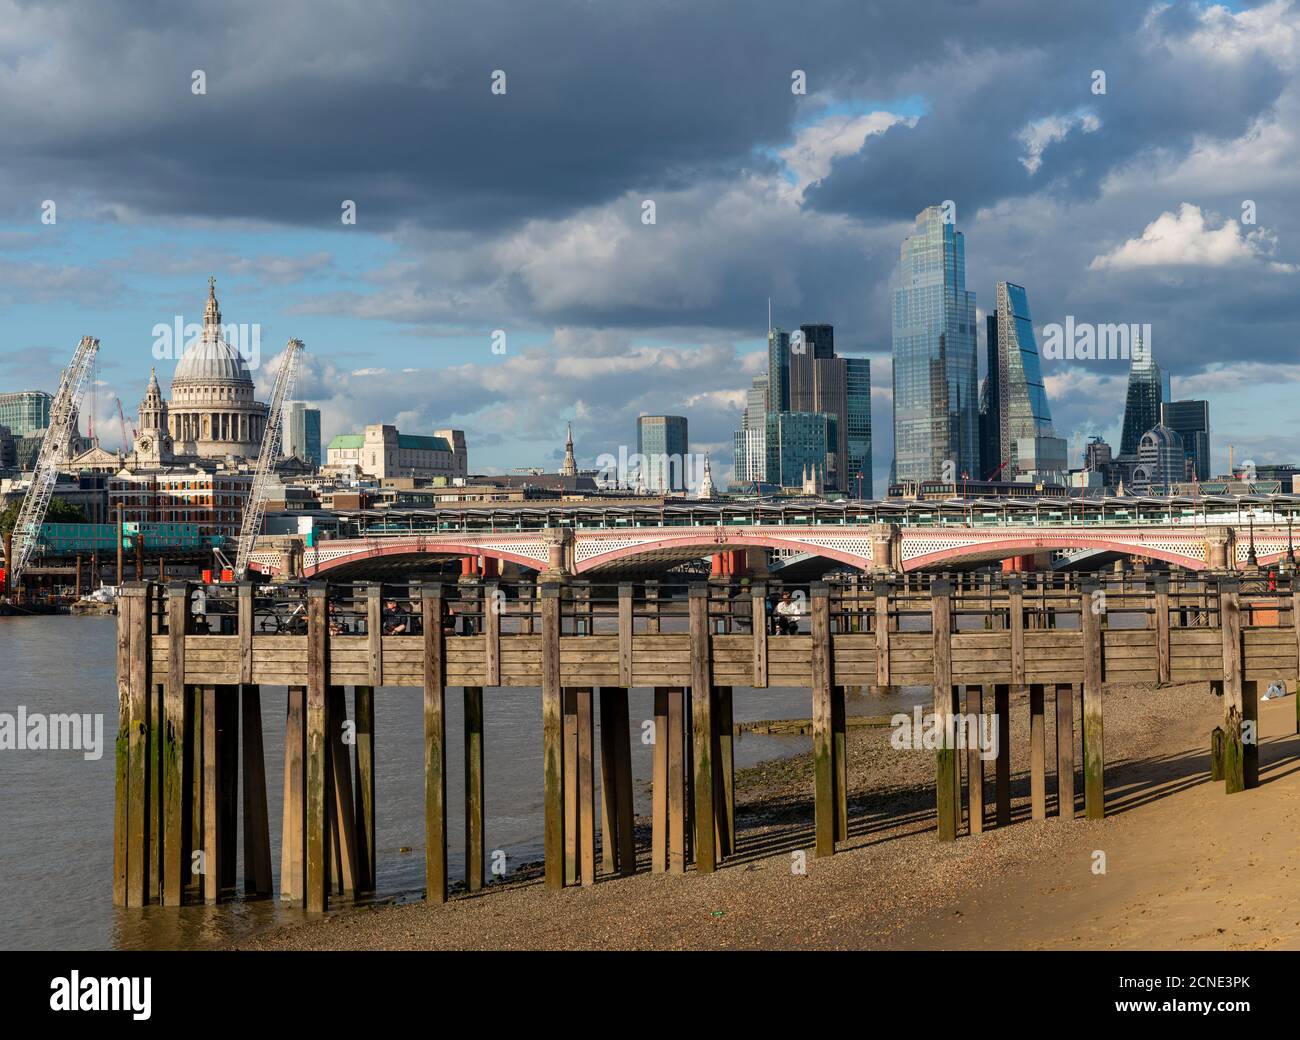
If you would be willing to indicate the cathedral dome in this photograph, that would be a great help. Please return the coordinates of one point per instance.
(212, 360)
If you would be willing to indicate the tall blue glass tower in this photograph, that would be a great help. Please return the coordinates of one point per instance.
(936, 392)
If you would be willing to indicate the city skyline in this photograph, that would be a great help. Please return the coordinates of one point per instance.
(1122, 206)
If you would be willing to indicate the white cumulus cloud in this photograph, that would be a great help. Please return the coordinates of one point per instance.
(1185, 239)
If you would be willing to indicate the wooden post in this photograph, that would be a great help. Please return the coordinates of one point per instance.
(197, 777)
(1002, 767)
(364, 699)
(677, 780)
(1037, 754)
(659, 785)
(435, 754)
(293, 833)
(1162, 628)
(571, 810)
(343, 812)
(840, 761)
(1295, 625)
(374, 641)
(586, 787)
(228, 780)
(1065, 750)
(975, 762)
(823, 738)
(176, 753)
(1216, 753)
(882, 636)
(475, 855)
(1234, 764)
(493, 603)
(1016, 622)
(726, 768)
(1094, 792)
(257, 826)
(143, 748)
(317, 748)
(947, 806)
(1250, 733)
(626, 628)
(122, 761)
(758, 616)
(213, 845)
(702, 729)
(618, 836)
(552, 737)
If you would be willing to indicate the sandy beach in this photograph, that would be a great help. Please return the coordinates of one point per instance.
(1186, 866)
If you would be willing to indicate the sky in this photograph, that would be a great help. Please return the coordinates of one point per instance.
(521, 209)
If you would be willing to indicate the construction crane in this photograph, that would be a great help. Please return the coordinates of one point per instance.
(54, 449)
(256, 506)
(128, 432)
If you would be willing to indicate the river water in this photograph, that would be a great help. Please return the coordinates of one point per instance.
(56, 809)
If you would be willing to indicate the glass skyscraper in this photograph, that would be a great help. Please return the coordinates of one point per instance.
(662, 441)
(304, 433)
(778, 371)
(936, 399)
(1148, 388)
(1191, 421)
(857, 398)
(1022, 400)
(25, 412)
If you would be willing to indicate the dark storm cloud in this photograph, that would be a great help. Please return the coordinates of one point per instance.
(389, 104)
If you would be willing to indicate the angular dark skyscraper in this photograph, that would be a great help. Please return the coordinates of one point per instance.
(1148, 388)
(936, 396)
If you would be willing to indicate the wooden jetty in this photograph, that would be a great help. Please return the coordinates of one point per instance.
(192, 663)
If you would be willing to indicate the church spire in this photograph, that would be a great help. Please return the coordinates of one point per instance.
(570, 467)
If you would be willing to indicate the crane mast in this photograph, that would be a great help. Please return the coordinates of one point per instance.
(54, 449)
(256, 507)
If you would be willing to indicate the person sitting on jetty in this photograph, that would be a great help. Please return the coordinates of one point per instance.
(786, 617)
(395, 624)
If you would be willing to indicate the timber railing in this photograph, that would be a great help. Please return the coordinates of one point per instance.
(192, 662)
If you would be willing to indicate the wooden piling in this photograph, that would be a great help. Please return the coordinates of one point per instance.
(947, 775)
(823, 737)
(975, 764)
(618, 848)
(293, 832)
(1002, 765)
(586, 792)
(475, 854)
(1163, 661)
(228, 781)
(364, 701)
(435, 755)
(136, 604)
(213, 846)
(677, 780)
(659, 784)
(1234, 765)
(342, 812)
(572, 840)
(1037, 754)
(726, 766)
(882, 636)
(705, 843)
(1216, 753)
(317, 748)
(1065, 750)
(552, 738)
(1094, 790)
(257, 827)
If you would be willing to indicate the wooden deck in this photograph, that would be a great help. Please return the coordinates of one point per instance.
(184, 678)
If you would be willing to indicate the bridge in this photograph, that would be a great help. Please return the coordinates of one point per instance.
(1191, 532)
